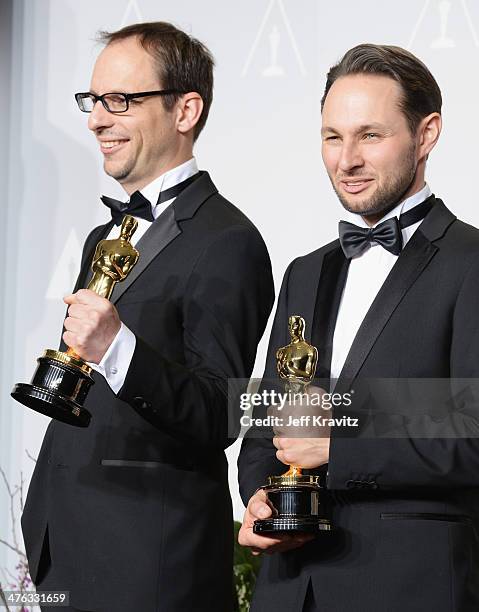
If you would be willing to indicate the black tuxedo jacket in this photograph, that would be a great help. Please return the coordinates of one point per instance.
(406, 508)
(137, 506)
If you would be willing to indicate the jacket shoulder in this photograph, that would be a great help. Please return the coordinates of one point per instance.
(311, 261)
(463, 237)
(218, 217)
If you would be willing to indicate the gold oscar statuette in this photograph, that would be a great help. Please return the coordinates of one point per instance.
(61, 381)
(295, 497)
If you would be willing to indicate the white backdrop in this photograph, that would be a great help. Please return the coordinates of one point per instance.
(261, 145)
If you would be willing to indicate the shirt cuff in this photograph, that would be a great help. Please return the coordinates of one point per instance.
(116, 361)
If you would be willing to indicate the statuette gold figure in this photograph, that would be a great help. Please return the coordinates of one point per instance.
(296, 363)
(114, 259)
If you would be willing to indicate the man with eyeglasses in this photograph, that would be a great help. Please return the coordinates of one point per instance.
(122, 514)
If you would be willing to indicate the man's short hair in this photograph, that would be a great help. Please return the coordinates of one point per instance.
(421, 93)
(183, 62)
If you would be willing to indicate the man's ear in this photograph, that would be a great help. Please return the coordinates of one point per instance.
(189, 109)
(428, 132)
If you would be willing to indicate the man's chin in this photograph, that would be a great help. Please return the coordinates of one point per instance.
(357, 206)
(362, 206)
(116, 172)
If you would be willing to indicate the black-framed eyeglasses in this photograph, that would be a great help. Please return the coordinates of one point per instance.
(116, 102)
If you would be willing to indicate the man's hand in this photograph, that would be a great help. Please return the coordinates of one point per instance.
(91, 325)
(308, 453)
(301, 440)
(258, 508)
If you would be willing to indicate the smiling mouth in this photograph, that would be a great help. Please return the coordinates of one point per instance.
(108, 147)
(356, 186)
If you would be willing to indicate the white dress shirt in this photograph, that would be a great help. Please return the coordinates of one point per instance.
(366, 275)
(116, 361)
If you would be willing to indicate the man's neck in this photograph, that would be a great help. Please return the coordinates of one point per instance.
(167, 166)
(165, 181)
(372, 220)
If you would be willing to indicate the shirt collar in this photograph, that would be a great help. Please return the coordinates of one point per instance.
(174, 176)
(402, 207)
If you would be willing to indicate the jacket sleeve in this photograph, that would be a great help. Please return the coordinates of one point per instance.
(257, 459)
(447, 455)
(227, 301)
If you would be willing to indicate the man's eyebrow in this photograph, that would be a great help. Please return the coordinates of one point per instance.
(362, 128)
(370, 126)
(326, 128)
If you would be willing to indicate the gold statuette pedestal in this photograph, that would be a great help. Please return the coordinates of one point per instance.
(296, 498)
(61, 381)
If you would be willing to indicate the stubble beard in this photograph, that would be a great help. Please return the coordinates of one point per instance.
(388, 195)
(120, 173)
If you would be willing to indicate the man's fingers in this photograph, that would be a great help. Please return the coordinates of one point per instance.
(259, 510)
(69, 299)
(246, 537)
(82, 296)
(69, 338)
(277, 442)
(268, 545)
(78, 311)
(73, 325)
(264, 543)
(281, 442)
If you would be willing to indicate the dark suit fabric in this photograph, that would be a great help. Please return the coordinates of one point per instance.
(406, 509)
(137, 505)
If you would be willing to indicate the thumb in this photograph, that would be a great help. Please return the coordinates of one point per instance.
(260, 510)
(70, 298)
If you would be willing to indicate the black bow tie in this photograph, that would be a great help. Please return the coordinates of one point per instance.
(355, 240)
(139, 206)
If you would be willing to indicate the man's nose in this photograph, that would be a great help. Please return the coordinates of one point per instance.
(100, 117)
(350, 157)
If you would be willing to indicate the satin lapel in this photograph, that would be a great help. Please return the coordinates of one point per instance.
(94, 238)
(409, 266)
(301, 300)
(333, 276)
(167, 227)
(154, 240)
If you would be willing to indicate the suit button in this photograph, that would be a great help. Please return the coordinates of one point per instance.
(350, 484)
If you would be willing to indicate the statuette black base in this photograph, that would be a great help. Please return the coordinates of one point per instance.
(298, 506)
(303, 525)
(58, 388)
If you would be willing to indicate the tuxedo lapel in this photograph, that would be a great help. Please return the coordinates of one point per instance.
(166, 228)
(412, 262)
(330, 288)
(154, 240)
